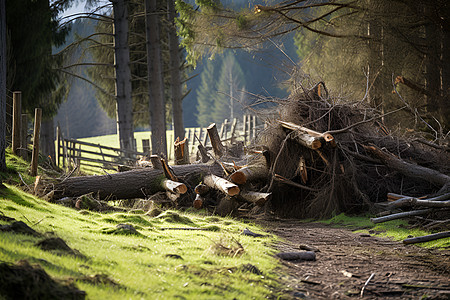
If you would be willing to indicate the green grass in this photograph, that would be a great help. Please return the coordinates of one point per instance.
(155, 263)
(397, 230)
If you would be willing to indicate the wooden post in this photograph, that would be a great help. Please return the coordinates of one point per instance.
(17, 111)
(24, 136)
(215, 140)
(146, 146)
(37, 128)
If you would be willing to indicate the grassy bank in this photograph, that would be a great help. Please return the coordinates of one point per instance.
(160, 260)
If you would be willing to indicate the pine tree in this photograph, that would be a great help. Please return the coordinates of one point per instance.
(206, 94)
(229, 87)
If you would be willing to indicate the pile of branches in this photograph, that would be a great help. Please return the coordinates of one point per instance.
(316, 157)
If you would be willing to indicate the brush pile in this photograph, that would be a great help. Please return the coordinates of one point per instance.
(315, 157)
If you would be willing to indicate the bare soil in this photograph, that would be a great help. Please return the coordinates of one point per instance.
(346, 260)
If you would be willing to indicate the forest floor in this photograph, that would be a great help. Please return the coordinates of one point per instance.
(346, 259)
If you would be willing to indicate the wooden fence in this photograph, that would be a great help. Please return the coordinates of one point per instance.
(72, 152)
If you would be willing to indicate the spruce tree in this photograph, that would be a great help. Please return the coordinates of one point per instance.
(206, 94)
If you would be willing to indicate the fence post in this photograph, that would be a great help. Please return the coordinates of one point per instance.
(24, 136)
(17, 112)
(37, 128)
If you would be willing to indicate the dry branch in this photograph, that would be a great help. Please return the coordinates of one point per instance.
(410, 170)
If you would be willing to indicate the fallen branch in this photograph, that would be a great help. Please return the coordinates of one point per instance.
(427, 238)
(401, 215)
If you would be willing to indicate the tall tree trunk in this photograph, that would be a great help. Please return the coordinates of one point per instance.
(445, 64)
(2, 84)
(48, 139)
(123, 75)
(155, 84)
(432, 72)
(175, 77)
(376, 56)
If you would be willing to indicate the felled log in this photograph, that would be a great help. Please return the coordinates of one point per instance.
(181, 151)
(198, 202)
(408, 169)
(307, 133)
(132, 184)
(249, 173)
(255, 197)
(221, 184)
(174, 187)
(201, 189)
(427, 238)
(305, 255)
(216, 143)
(401, 215)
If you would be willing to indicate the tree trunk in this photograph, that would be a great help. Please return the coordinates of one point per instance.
(2, 84)
(155, 84)
(132, 184)
(432, 72)
(123, 75)
(48, 139)
(175, 77)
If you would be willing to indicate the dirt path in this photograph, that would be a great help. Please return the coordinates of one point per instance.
(346, 260)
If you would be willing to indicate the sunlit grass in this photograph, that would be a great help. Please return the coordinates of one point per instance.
(157, 264)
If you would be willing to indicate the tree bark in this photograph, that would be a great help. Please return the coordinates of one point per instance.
(136, 183)
(155, 84)
(175, 77)
(123, 75)
(2, 84)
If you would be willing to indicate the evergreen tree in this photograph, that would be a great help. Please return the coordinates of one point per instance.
(206, 94)
(33, 29)
(229, 88)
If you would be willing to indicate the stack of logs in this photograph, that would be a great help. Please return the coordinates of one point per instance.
(346, 160)
(215, 177)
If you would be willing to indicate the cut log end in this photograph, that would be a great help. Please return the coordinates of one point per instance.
(238, 177)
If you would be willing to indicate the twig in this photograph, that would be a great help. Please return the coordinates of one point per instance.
(365, 285)
(21, 178)
(427, 238)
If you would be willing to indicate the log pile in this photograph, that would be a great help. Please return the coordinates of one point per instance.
(315, 158)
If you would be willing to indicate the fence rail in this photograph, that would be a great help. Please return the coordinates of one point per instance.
(72, 152)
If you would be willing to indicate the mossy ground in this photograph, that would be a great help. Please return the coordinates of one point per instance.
(397, 230)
